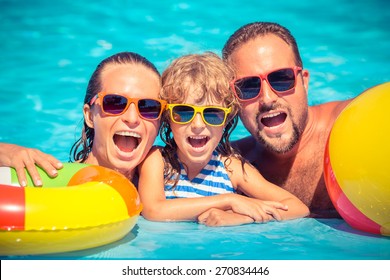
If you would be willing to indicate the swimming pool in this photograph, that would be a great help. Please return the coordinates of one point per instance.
(50, 49)
(301, 239)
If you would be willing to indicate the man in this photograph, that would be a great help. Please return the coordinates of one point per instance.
(288, 137)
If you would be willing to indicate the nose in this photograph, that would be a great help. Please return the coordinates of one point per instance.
(267, 94)
(131, 115)
(197, 122)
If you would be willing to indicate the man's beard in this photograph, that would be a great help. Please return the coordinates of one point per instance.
(280, 149)
(279, 145)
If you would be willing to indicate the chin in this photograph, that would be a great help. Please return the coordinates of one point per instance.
(279, 149)
(123, 166)
(279, 145)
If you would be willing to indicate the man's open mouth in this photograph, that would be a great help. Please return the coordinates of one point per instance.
(274, 119)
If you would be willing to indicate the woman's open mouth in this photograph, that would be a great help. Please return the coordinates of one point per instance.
(127, 141)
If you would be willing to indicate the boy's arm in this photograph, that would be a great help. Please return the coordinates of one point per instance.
(254, 185)
(216, 217)
(156, 207)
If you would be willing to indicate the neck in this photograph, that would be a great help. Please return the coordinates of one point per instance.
(92, 159)
(193, 168)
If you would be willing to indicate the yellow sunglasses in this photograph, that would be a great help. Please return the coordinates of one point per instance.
(211, 115)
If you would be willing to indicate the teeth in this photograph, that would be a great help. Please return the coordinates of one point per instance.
(198, 137)
(128, 133)
(272, 115)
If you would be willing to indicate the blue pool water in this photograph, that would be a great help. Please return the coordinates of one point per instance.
(49, 49)
(301, 239)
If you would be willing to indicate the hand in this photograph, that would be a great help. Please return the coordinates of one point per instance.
(20, 158)
(217, 217)
(260, 211)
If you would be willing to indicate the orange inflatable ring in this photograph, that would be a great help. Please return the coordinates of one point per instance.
(356, 167)
(85, 206)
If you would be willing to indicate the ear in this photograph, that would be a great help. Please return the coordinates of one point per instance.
(88, 116)
(306, 78)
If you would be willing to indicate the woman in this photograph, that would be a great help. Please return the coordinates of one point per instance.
(121, 121)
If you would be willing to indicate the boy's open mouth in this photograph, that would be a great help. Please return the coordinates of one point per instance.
(198, 141)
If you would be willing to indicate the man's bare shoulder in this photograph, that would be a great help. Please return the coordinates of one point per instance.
(332, 108)
(324, 115)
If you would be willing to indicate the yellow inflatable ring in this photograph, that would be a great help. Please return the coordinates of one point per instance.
(85, 206)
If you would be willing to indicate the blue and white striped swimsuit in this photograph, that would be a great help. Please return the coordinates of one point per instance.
(212, 180)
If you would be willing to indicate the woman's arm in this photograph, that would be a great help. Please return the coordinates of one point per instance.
(20, 158)
(254, 185)
(156, 207)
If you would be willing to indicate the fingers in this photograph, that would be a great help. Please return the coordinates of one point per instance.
(48, 163)
(26, 159)
(211, 217)
(33, 171)
(20, 172)
(202, 218)
(263, 211)
(269, 210)
(262, 217)
(250, 207)
(218, 218)
(277, 205)
(25, 162)
(273, 213)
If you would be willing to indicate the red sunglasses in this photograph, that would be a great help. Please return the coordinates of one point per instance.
(280, 80)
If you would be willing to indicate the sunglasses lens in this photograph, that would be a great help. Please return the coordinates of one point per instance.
(214, 116)
(114, 104)
(182, 113)
(282, 80)
(149, 108)
(247, 88)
